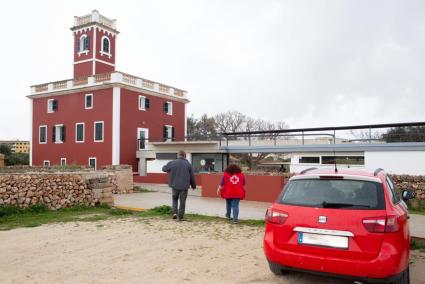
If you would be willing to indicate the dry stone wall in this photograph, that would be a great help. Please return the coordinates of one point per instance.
(64, 189)
(412, 183)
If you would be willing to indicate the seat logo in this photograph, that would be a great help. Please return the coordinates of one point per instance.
(323, 219)
(234, 180)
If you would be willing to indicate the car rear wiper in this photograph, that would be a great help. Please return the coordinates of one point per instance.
(342, 205)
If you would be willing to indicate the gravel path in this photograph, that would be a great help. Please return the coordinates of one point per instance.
(139, 250)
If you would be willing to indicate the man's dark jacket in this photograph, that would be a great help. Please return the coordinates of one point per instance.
(181, 174)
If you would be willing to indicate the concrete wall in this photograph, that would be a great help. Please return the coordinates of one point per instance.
(257, 188)
(402, 162)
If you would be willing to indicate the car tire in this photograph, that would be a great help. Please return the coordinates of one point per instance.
(277, 269)
(404, 277)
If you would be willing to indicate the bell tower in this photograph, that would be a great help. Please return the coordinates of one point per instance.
(94, 44)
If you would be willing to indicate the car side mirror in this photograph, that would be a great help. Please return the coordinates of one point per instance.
(407, 195)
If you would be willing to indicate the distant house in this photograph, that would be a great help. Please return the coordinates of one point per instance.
(1, 160)
(17, 146)
(101, 116)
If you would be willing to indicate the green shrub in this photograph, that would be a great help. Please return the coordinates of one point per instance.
(119, 212)
(9, 210)
(38, 208)
(164, 209)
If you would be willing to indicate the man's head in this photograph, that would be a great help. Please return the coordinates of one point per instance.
(182, 154)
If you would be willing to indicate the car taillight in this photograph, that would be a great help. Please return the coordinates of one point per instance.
(388, 224)
(276, 216)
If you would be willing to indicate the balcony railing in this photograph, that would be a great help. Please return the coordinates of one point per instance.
(377, 136)
(94, 17)
(105, 78)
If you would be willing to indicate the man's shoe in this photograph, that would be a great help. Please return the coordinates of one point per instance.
(174, 216)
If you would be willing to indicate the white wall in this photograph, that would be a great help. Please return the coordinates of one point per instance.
(401, 162)
(155, 166)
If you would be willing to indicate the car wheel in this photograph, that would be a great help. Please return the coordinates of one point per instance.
(277, 269)
(404, 277)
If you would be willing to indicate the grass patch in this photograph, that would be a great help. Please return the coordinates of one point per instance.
(415, 211)
(12, 217)
(417, 245)
(165, 211)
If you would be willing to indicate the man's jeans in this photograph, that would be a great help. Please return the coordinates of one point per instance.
(182, 195)
(232, 204)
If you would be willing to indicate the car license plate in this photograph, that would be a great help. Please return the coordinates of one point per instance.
(323, 240)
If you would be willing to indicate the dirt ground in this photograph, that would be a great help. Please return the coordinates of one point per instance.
(146, 251)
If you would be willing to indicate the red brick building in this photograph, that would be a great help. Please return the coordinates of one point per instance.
(97, 117)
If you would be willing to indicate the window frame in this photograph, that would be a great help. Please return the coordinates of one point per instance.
(63, 164)
(170, 131)
(103, 131)
(146, 103)
(50, 106)
(139, 129)
(95, 162)
(310, 163)
(59, 133)
(170, 108)
(45, 134)
(102, 46)
(82, 44)
(46, 162)
(76, 132)
(85, 101)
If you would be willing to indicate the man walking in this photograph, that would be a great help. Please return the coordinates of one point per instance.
(180, 178)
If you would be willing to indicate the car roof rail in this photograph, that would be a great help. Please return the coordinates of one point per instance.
(376, 172)
(307, 170)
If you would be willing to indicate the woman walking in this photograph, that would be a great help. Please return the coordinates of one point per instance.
(232, 189)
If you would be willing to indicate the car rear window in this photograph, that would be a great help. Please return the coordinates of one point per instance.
(338, 194)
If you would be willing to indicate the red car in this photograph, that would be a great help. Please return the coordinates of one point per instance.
(343, 223)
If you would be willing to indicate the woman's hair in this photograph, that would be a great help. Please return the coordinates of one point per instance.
(233, 169)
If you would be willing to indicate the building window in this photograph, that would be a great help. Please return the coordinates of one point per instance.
(344, 160)
(83, 44)
(92, 162)
(89, 101)
(46, 163)
(142, 138)
(106, 45)
(98, 131)
(144, 103)
(166, 156)
(309, 160)
(79, 132)
(168, 133)
(58, 134)
(42, 134)
(168, 108)
(63, 162)
(207, 162)
(52, 105)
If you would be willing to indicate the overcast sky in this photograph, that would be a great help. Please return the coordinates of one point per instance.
(308, 63)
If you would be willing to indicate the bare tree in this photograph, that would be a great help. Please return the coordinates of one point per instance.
(231, 121)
